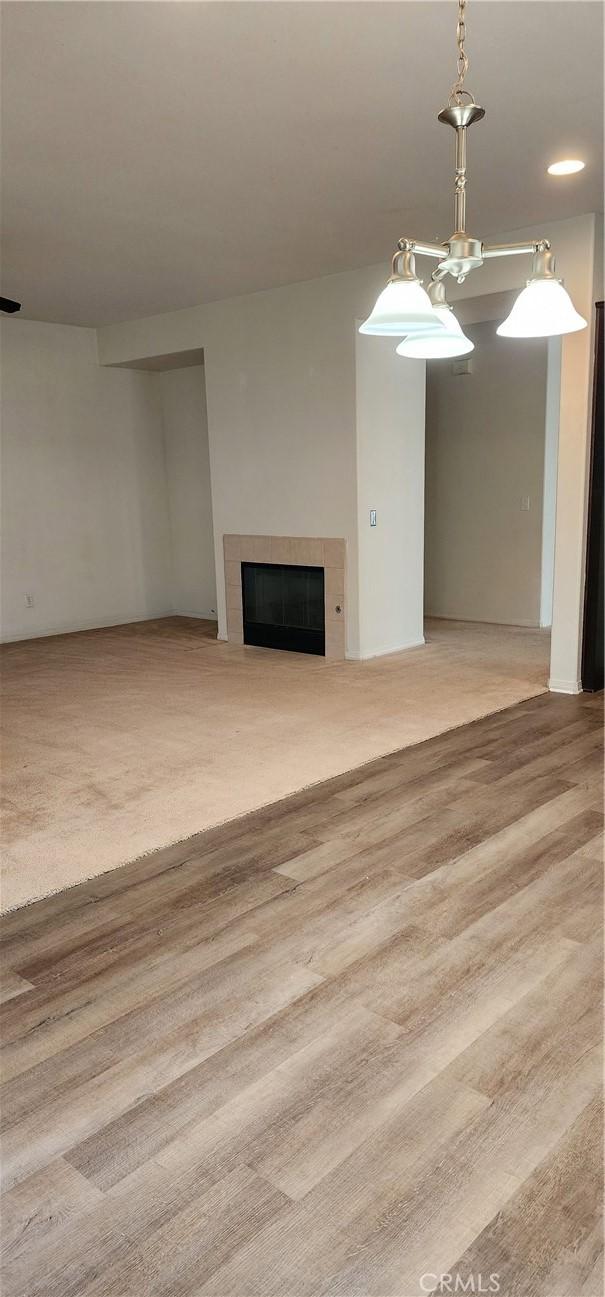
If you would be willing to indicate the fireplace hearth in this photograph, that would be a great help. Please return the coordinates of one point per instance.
(284, 607)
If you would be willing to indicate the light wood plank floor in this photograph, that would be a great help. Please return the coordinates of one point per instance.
(345, 1044)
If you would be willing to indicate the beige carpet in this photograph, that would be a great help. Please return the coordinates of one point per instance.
(119, 741)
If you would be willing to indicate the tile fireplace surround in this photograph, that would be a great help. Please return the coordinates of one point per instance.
(308, 551)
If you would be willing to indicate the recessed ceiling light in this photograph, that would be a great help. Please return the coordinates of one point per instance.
(566, 167)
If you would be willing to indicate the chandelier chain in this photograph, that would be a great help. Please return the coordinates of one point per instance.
(462, 61)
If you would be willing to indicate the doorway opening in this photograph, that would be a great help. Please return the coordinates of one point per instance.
(490, 495)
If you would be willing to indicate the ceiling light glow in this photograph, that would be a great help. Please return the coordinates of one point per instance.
(566, 167)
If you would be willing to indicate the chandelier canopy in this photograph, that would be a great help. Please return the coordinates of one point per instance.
(424, 319)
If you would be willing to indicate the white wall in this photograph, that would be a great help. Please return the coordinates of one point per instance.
(314, 322)
(390, 479)
(84, 516)
(106, 503)
(280, 389)
(185, 423)
(549, 493)
(485, 455)
(280, 392)
(281, 397)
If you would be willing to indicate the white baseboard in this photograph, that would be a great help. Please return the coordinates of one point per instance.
(196, 616)
(384, 652)
(99, 623)
(565, 686)
(484, 621)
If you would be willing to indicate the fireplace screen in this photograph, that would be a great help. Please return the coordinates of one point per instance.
(284, 606)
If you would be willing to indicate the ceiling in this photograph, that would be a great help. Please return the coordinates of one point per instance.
(160, 155)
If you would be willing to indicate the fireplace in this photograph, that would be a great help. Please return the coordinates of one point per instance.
(284, 607)
(328, 553)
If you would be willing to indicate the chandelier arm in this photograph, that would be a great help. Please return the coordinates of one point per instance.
(515, 249)
(438, 250)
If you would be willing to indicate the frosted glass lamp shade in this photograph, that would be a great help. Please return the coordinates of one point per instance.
(542, 310)
(402, 307)
(449, 340)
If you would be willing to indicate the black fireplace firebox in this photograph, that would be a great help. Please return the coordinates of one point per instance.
(284, 607)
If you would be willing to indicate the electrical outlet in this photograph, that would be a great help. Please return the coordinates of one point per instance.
(29, 601)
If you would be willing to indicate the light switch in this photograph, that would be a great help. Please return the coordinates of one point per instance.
(525, 504)
(372, 517)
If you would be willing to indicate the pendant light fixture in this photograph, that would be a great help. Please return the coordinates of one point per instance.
(425, 320)
(447, 340)
(404, 305)
(543, 308)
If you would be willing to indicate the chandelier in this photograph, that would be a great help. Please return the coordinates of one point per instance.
(424, 319)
